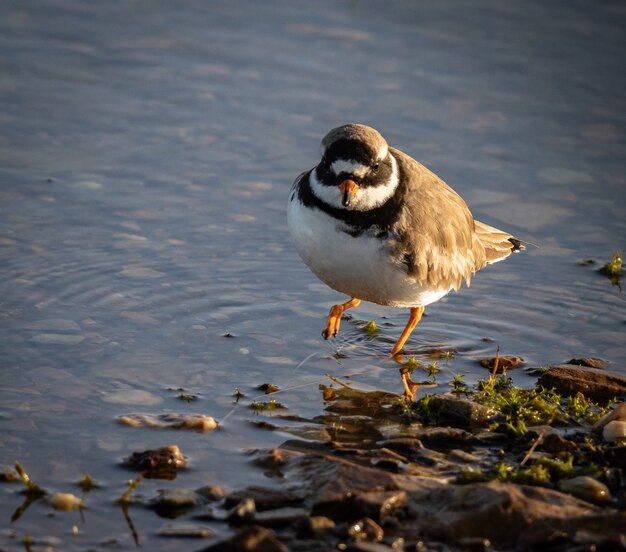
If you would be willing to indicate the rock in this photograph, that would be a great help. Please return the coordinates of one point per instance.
(366, 529)
(161, 463)
(508, 515)
(599, 385)
(195, 422)
(7, 473)
(281, 517)
(317, 525)
(504, 363)
(242, 513)
(448, 409)
(249, 539)
(268, 388)
(444, 435)
(211, 492)
(186, 530)
(265, 498)
(172, 503)
(615, 430)
(458, 455)
(473, 544)
(272, 459)
(586, 488)
(64, 502)
(350, 507)
(618, 413)
(554, 443)
(406, 446)
(590, 362)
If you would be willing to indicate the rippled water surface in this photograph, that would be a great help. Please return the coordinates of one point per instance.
(146, 154)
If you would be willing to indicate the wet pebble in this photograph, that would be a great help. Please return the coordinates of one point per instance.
(504, 363)
(444, 435)
(615, 430)
(211, 492)
(243, 512)
(185, 530)
(164, 459)
(63, 502)
(7, 473)
(448, 409)
(281, 517)
(458, 455)
(585, 487)
(366, 529)
(249, 539)
(318, 525)
(265, 498)
(554, 443)
(172, 503)
(172, 420)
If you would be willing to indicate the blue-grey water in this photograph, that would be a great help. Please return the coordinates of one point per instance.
(147, 149)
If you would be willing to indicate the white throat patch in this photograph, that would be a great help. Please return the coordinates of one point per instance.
(365, 198)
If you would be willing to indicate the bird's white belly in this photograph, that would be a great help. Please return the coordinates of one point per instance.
(360, 267)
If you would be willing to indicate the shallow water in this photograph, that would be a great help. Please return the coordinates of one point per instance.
(146, 154)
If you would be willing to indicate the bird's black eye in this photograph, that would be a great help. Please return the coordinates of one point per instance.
(376, 165)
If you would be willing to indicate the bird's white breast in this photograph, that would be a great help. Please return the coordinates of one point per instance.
(361, 266)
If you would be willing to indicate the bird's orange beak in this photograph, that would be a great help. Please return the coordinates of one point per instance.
(347, 188)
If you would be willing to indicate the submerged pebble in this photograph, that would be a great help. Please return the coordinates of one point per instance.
(186, 530)
(132, 396)
(585, 487)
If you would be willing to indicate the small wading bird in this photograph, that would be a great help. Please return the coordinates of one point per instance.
(373, 223)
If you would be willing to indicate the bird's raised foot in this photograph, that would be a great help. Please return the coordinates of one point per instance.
(334, 317)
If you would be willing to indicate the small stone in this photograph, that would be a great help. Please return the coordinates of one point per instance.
(586, 488)
(615, 430)
(281, 517)
(504, 363)
(268, 388)
(349, 507)
(243, 512)
(172, 503)
(445, 435)
(366, 529)
(365, 546)
(211, 492)
(458, 455)
(249, 539)
(318, 525)
(7, 474)
(591, 362)
(554, 443)
(407, 446)
(186, 530)
(172, 420)
(265, 498)
(448, 409)
(164, 459)
(618, 413)
(63, 502)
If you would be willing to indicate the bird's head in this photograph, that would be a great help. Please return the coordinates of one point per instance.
(356, 171)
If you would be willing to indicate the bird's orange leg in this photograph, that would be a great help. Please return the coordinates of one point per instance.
(334, 317)
(416, 316)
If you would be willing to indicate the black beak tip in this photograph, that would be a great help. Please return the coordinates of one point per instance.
(345, 201)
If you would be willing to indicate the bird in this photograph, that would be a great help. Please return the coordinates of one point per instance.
(376, 225)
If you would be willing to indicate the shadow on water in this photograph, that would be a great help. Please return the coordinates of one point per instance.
(146, 158)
